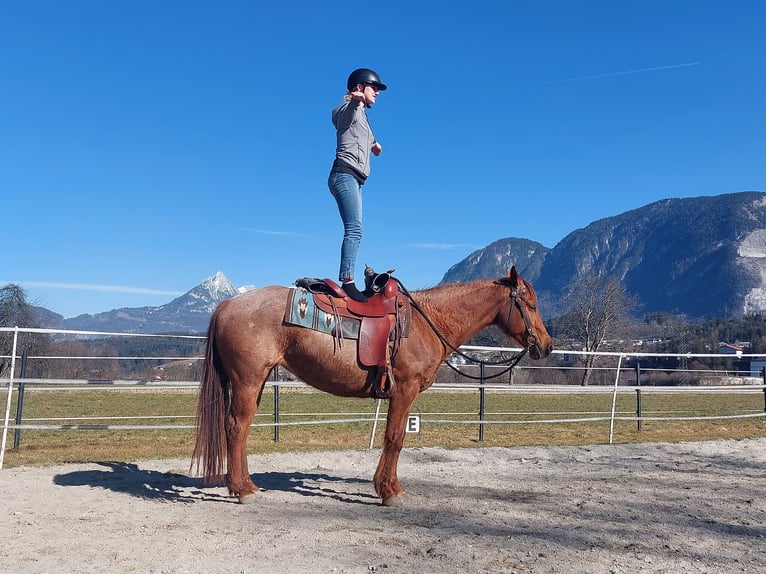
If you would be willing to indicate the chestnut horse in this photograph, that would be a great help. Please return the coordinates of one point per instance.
(247, 338)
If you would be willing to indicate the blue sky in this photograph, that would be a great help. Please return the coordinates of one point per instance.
(146, 145)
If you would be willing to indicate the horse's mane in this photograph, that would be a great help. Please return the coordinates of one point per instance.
(449, 289)
(442, 303)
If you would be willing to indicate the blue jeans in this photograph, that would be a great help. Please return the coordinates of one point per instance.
(348, 194)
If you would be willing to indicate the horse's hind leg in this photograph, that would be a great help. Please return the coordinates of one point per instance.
(244, 404)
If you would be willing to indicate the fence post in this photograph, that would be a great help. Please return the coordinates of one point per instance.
(20, 401)
(10, 395)
(763, 375)
(614, 399)
(375, 422)
(275, 378)
(482, 398)
(639, 410)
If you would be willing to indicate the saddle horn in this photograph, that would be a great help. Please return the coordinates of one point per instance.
(376, 282)
(379, 281)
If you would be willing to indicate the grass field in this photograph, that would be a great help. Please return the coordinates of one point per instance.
(98, 408)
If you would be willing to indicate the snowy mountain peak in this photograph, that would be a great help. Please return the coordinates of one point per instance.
(218, 287)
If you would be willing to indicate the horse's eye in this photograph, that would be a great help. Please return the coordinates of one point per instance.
(532, 307)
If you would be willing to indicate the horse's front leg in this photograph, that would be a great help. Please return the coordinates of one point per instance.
(243, 408)
(386, 481)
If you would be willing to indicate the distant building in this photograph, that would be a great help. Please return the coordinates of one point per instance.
(646, 341)
(756, 367)
(729, 349)
(456, 360)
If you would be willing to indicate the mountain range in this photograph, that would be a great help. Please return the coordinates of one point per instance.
(189, 313)
(698, 257)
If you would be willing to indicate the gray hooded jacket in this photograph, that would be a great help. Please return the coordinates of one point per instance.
(354, 139)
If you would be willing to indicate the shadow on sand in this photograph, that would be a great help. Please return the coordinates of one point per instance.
(129, 478)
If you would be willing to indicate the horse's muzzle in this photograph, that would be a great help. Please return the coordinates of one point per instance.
(537, 351)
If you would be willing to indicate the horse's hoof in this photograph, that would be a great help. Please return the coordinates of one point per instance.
(397, 500)
(249, 498)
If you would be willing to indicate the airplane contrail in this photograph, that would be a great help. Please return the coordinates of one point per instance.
(608, 75)
(278, 233)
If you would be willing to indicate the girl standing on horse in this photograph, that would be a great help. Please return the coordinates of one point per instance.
(351, 167)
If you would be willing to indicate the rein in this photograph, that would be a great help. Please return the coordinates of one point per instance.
(531, 337)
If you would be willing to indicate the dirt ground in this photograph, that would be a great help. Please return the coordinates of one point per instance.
(689, 507)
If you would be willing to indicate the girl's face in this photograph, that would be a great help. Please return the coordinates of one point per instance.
(370, 94)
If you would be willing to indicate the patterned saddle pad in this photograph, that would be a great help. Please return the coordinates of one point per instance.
(301, 310)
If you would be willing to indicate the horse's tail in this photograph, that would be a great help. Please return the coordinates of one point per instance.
(212, 406)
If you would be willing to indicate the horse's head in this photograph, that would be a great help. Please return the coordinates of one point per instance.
(522, 321)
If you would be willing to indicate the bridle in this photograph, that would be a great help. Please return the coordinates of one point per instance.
(517, 302)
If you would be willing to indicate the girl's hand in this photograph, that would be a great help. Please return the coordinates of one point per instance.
(376, 148)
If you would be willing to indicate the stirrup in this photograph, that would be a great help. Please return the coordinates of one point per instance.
(384, 383)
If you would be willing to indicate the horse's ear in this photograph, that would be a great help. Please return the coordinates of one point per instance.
(511, 278)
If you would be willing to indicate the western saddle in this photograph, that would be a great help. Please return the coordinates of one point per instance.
(383, 321)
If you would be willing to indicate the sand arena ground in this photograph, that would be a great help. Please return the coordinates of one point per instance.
(689, 507)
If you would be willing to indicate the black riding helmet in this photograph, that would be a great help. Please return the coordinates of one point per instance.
(364, 76)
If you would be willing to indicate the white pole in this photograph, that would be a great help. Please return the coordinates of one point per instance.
(375, 422)
(614, 400)
(10, 394)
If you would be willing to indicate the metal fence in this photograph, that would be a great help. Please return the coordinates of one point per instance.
(625, 379)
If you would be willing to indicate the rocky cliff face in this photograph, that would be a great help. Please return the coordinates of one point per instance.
(752, 258)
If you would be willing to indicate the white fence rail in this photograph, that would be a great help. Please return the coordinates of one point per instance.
(18, 384)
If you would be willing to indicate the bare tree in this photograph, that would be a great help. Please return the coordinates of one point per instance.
(600, 308)
(15, 311)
